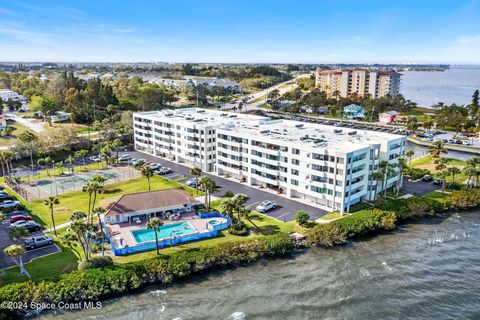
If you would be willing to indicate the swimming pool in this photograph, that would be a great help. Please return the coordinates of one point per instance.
(166, 231)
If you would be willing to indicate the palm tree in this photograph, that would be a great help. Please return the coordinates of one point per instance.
(402, 164)
(440, 163)
(238, 202)
(97, 188)
(59, 165)
(29, 138)
(247, 214)
(82, 154)
(437, 148)
(196, 171)
(3, 161)
(409, 154)
(470, 172)
(80, 228)
(99, 211)
(443, 174)
(88, 188)
(147, 172)
(453, 171)
(227, 206)
(16, 233)
(69, 239)
(50, 202)
(70, 160)
(207, 185)
(48, 163)
(377, 177)
(16, 252)
(155, 224)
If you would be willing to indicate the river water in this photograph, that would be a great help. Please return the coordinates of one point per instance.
(455, 85)
(428, 270)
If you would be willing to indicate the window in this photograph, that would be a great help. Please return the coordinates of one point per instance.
(295, 162)
(294, 182)
(295, 151)
(295, 172)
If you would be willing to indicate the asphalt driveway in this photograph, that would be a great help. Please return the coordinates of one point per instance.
(418, 188)
(286, 208)
(6, 261)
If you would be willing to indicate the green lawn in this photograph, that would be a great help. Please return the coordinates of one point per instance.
(10, 139)
(48, 267)
(78, 201)
(427, 162)
(52, 266)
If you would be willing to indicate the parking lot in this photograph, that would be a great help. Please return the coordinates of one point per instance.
(285, 210)
(418, 188)
(6, 261)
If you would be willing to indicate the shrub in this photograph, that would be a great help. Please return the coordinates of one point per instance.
(95, 262)
(302, 218)
(415, 173)
(239, 232)
(228, 194)
(102, 282)
(455, 186)
(326, 235)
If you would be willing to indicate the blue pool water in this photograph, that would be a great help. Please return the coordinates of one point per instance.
(174, 229)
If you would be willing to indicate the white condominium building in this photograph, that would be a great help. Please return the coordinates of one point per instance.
(317, 163)
(360, 82)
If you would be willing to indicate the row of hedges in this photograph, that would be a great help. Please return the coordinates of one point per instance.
(362, 222)
(386, 215)
(415, 173)
(100, 283)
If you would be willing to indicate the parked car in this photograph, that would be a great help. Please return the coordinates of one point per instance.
(19, 217)
(154, 166)
(266, 205)
(9, 204)
(192, 182)
(138, 162)
(466, 142)
(95, 159)
(164, 170)
(5, 196)
(427, 178)
(238, 195)
(124, 158)
(29, 225)
(37, 242)
(438, 182)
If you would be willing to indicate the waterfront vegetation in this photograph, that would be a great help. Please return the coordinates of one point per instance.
(55, 277)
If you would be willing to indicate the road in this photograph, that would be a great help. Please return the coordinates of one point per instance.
(252, 104)
(34, 126)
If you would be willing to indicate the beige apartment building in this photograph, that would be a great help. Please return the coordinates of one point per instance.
(360, 82)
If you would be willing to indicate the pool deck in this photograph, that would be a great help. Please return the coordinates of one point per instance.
(123, 230)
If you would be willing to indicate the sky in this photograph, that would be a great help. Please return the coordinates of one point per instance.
(243, 31)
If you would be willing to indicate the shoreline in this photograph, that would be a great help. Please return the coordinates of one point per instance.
(117, 280)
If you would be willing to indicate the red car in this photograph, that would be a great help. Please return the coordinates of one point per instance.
(19, 217)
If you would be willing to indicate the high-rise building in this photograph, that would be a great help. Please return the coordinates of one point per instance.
(324, 164)
(359, 82)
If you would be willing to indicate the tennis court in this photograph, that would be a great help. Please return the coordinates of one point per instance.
(54, 186)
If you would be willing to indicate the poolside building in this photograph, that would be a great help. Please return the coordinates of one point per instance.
(322, 164)
(138, 206)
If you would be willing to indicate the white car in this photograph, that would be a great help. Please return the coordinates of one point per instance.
(192, 182)
(95, 159)
(266, 205)
(154, 166)
(9, 204)
(124, 158)
(163, 170)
